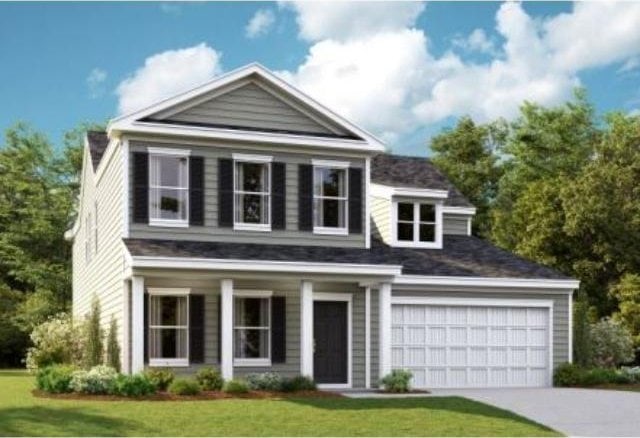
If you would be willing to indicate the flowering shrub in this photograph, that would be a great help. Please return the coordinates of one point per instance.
(56, 341)
(99, 380)
(264, 382)
(611, 343)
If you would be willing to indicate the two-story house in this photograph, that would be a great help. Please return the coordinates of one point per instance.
(245, 226)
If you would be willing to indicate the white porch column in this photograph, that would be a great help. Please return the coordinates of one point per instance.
(367, 337)
(306, 328)
(384, 330)
(125, 328)
(137, 324)
(226, 327)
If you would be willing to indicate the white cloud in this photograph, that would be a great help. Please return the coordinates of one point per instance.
(166, 74)
(171, 8)
(342, 20)
(635, 112)
(95, 82)
(477, 41)
(260, 24)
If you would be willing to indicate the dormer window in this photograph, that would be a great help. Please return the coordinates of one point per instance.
(418, 223)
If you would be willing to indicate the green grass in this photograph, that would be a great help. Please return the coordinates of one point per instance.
(23, 414)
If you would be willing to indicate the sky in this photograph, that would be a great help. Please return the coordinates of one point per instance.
(403, 71)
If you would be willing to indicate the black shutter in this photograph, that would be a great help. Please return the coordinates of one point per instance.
(225, 192)
(196, 191)
(278, 330)
(146, 328)
(355, 201)
(196, 328)
(278, 196)
(305, 197)
(219, 328)
(140, 187)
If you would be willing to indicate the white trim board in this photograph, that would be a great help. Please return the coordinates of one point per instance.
(498, 282)
(386, 191)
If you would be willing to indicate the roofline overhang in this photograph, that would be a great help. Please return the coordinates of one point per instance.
(450, 209)
(388, 191)
(497, 282)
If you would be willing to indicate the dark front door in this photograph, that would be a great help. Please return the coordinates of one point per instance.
(330, 333)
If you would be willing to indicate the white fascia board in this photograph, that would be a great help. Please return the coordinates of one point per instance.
(264, 266)
(250, 136)
(242, 72)
(458, 210)
(533, 283)
(411, 192)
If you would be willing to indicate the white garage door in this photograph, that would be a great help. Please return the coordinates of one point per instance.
(458, 346)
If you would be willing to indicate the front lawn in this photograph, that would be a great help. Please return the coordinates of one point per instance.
(23, 414)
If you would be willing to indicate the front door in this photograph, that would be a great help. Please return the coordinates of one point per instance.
(330, 330)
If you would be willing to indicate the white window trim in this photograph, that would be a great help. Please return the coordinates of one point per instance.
(437, 244)
(159, 152)
(328, 164)
(253, 362)
(175, 292)
(261, 159)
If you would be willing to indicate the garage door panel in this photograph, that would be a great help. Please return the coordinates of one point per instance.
(471, 346)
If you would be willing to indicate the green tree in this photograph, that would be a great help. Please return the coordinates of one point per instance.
(627, 294)
(582, 351)
(94, 347)
(467, 155)
(113, 348)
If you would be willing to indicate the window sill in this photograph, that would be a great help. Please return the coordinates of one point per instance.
(423, 245)
(168, 223)
(251, 362)
(265, 228)
(168, 362)
(331, 231)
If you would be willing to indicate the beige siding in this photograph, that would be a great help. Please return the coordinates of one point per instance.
(381, 218)
(211, 232)
(102, 277)
(454, 224)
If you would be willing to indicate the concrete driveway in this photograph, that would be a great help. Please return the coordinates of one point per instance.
(572, 411)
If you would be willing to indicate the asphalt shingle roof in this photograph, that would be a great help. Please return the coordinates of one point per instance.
(414, 172)
(461, 256)
(98, 142)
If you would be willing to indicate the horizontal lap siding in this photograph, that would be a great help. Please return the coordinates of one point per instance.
(454, 224)
(212, 232)
(381, 216)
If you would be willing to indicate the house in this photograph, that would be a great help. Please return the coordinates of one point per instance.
(243, 225)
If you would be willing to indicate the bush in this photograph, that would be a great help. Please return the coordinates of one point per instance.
(632, 373)
(298, 383)
(113, 348)
(94, 353)
(56, 341)
(184, 387)
(568, 374)
(210, 379)
(161, 378)
(397, 381)
(264, 382)
(582, 351)
(55, 378)
(611, 342)
(236, 386)
(99, 380)
(135, 385)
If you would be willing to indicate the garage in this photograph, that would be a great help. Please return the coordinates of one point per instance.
(471, 343)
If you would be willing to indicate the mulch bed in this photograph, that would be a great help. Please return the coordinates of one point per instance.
(411, 391)
(204, 395)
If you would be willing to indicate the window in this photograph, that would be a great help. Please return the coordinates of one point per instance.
(168, 189)
(168, 330)
(88, 232)
(330, 199)
(417, 223)
(252, 330)
(251, 192)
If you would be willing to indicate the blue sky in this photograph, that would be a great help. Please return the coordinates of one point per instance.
(403, 71)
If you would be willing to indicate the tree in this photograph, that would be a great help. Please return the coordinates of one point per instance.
(94, 346)
(582, 351)
(611, 343)
(627, 293)
(467, 155)
(113, 348)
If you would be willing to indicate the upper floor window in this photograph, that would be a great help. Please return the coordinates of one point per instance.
(252, 192)
(418, 224)
(330, 199)
(168, 189)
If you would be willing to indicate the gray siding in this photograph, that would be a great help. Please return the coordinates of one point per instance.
(211, 232)
(560, 311)
(454, 224)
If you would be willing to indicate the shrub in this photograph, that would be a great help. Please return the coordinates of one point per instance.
(55, 378)
(298, 383)
(236, 386)
(94, 348)
(582, 351)
(264, 382)
(210, 379)
(135, 385)
(98, 380)
(113, 348)
(568, 374)
(184, 387)
(632, 373)
(56, 341)
(611, 342)
(397, 381)
(161, 378)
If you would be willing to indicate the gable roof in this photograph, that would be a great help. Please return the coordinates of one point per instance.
(414, 172)
(97, 142)
(145, 119)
